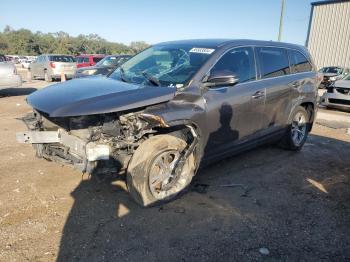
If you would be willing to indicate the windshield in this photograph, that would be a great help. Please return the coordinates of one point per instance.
(332, 70)
(163, 65)
(347, 77)
(110, 61)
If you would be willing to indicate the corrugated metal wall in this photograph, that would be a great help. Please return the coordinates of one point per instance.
(329, 35)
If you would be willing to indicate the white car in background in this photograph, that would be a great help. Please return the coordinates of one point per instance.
(26, 63)
(338, 94)
(8, 74)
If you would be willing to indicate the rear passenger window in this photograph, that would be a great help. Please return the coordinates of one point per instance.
(273, 62)
(239, 62)
(299, 62)
(86, 60)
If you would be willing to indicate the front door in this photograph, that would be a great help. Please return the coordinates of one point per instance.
(234, 112)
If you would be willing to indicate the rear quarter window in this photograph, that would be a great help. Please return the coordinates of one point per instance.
(298, 62)
(273, 62)
(65, 59)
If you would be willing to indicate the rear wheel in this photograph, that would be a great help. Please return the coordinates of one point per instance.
(298, 130)
(152, 176)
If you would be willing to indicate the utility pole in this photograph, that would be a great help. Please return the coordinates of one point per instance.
(281, 20)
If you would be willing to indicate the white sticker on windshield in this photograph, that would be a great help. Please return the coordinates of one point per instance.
(202, 50)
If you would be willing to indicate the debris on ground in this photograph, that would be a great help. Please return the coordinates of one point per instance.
(264, 251)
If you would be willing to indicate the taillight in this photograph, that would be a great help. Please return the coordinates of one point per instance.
(52, 65)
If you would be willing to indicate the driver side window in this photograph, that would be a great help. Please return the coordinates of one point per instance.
(239, 62)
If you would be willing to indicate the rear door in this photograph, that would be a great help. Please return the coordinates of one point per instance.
(276, 78)
(304, 78)
(234, 112)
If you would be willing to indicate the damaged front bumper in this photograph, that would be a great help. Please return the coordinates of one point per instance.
(62, 147)
(336, 100)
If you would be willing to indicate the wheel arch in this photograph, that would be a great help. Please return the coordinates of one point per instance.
(189, 130)
(310, 107)
(182, 128)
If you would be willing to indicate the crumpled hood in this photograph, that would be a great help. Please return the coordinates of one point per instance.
(342, 83)
(98, 95)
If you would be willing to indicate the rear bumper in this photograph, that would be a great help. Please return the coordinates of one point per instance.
(10, 81)
(58, 76)
(62, 147)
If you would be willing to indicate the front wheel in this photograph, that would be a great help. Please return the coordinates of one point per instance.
(298, 130)
(152, 177)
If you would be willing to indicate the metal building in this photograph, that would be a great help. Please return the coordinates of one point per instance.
(328, 38)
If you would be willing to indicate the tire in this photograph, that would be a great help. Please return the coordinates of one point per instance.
(294, 139)
(144, 169)
(47, 77)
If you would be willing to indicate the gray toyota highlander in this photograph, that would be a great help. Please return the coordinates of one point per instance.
(176, 107)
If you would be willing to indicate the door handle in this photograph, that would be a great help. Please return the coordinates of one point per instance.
(258, 94)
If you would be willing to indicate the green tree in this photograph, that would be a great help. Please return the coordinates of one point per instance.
(25, 42)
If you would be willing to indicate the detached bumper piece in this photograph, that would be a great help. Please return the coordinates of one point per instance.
(62, 147)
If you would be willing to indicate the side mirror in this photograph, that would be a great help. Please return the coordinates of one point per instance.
(217, 80)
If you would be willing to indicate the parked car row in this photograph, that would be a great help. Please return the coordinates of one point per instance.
(52, 66)
(19, 59)
(103, 67)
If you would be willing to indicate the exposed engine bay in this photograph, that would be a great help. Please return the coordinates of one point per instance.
(93, 143)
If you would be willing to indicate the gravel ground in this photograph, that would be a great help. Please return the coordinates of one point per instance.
(264, 205)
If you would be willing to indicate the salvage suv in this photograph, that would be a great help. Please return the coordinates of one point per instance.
(175, 107)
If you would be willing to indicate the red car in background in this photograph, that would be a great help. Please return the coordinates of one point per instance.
(88, 60)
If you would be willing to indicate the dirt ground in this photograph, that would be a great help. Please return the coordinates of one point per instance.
(293, 206)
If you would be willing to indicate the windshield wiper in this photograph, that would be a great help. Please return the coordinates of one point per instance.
(151, 79)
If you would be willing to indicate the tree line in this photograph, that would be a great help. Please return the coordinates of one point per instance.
(25, 42)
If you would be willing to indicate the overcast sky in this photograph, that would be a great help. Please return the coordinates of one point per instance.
(160, 20)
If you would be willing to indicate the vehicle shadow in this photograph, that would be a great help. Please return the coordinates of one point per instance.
(17, 91)
(267, 197)
(224, 135)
